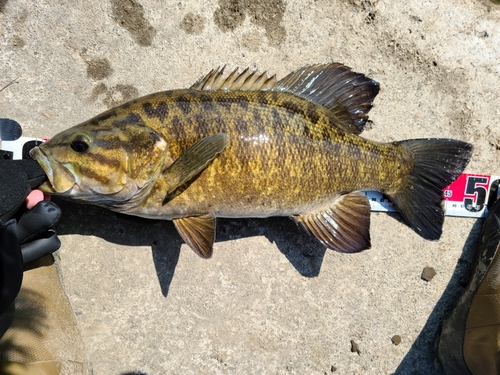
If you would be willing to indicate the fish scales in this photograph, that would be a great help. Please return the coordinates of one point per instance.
(251, 146)
(320, 163)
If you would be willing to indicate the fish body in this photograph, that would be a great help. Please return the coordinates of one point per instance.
(251, 146)
(276, 164)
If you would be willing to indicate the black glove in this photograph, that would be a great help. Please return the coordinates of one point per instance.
(23, 236)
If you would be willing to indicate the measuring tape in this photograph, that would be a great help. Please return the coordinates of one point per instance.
(468, 196)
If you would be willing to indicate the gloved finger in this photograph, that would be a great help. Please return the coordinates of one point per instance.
(33, 198)
(35, 174)
(40, 247)
(38, 220)
(13, 189)
(10, 130)
(11, 264)
(17, 177)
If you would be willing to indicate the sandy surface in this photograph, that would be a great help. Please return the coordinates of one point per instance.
(272, 300)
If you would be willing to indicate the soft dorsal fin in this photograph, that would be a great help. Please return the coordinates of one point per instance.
(245, 81)
(347, 94)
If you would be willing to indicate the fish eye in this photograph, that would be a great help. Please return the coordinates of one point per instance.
(80, 144)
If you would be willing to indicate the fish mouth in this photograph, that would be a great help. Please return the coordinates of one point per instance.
(60, 180)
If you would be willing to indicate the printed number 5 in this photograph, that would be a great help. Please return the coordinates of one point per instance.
(474, 188)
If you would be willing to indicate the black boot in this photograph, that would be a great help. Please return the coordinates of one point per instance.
(469, 343)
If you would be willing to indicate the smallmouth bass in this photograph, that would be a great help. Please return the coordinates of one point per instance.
(248, 145)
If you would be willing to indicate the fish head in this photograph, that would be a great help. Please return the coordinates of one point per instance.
(110, 161)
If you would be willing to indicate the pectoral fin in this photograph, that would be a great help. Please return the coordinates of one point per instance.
(198, 232)
(194, 160)
(343, 226)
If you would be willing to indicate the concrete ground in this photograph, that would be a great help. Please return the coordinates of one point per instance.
(271, 300)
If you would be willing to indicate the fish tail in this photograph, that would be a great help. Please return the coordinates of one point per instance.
(436, 163)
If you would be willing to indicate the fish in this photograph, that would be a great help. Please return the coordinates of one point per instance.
(250, 145)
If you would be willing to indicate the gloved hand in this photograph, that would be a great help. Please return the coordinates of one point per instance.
(23, 236)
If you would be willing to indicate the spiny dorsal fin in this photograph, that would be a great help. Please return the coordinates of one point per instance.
(343, 226)
(347, 94)
(245, 81)
(198, 232)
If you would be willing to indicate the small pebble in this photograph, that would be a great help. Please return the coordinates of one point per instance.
(428, 273)
(333, 368)
(396, 339)
(355, 347)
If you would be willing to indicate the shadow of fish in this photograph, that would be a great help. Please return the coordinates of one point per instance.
(248, 145)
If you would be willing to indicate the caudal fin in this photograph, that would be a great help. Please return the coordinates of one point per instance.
(437, 163)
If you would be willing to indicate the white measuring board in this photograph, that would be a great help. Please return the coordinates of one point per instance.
(21, 146)
(467, 196)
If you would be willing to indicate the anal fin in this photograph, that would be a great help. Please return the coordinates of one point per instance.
(343, 226)
(198, 232)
